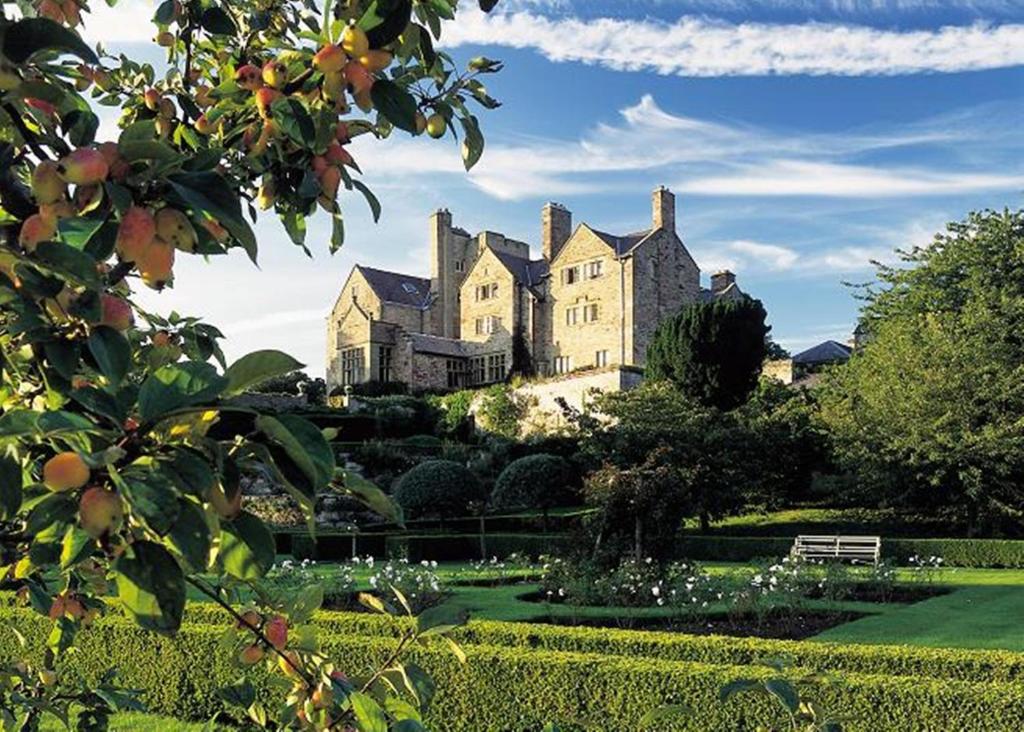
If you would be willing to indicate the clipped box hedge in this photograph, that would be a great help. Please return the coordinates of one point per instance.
(439, 547)
(980, 553)
(918, 661)
(520, 689)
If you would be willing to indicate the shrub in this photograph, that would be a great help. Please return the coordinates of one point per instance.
(437, 487)
(536, 481)
(498, 687)
(995, 553)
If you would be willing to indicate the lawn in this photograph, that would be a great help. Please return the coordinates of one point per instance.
(982, 611)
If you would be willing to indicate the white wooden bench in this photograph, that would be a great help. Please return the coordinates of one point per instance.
(855, 548)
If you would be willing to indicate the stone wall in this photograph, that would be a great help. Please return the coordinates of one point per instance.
(580, 341)
(488, 271)
(781, 370)
(577, 389)
(664, 278)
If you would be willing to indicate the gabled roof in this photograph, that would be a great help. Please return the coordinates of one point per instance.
(621, 244)
(423, 343)
(826, 352)
(731, 291)
(525, 271)
(394, 287)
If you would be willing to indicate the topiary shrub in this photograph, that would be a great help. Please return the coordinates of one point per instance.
(536, 481)
(437, 488)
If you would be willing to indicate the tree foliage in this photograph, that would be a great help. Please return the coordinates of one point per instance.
(535, 481)
(713, 351)
(122, 447)
(438, 488)
(929, 412)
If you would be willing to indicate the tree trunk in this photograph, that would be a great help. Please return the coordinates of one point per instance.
(483, 537)
(705, 522)
(544, 521)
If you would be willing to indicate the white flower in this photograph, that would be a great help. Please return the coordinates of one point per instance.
(656, 591)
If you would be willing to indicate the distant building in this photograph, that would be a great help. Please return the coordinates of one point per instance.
(591, 300)
(804, 368)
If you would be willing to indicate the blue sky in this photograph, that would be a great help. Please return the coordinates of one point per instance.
(803, 140)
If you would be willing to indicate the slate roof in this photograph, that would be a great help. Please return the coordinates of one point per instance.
(423, 343)
(394, 287)
(624, 243)
(825, 352)
(526, 271)
(707, 295)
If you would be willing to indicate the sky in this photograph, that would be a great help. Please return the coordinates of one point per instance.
(804, 140)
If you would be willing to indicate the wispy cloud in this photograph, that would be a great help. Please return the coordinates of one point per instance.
(712, 158)
(697, 46)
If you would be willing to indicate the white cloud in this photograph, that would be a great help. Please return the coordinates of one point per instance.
(747, 256)
(772, 255)
(809, 178)
(702, 157)
(694, 46)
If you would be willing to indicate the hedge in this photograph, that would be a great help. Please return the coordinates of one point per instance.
(439, 547)
(938, 663)
(995, 553)
(520, 689)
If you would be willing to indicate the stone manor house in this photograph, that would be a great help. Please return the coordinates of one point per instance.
(592, 300)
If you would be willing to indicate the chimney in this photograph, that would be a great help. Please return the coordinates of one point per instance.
(663, 205)
(721, 280)
(555, 228)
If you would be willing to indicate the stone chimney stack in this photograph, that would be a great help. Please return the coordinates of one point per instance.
(721, 280)
(663, 205)
(442, 281)
(555, 228)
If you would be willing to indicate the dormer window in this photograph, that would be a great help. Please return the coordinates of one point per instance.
(410, 289)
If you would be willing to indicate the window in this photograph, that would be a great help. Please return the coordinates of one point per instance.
(571, 316)
(477, 370)
(563, 364)
(351, 366)
(601, 358)
(479, 329)
(496, 367)
(593, 269)
(410, 288)
(487, 292)
(460, 265)
(590, 313)
(384, 363)
(456, 369)
(571, 275)
(492, 324)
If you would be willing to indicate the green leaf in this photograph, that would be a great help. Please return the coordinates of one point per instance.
(165, 12)
(64, 356)
(472, 142)
(208, 191)
(30, 36)
(152, 497)
(440, 619)
(10, 487)
(784, 692)
(303, 444)
(134, 150)
(77, 545)
(396, 104)
(21, 422)
(373, 497)
(241, 694)
(258, 366)
(80, 126)
(734, 687)
(68, 262)
(247, 547)
(295, 121)
(408, 725)
(101, 403)
(190, 535)
(178, 385)
(151, 586)
(420, 684)
(76, 231)
(217, 22)
(370, 199)
(112, 352)
(369, 716)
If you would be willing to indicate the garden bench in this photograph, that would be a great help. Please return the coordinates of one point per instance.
(856, 548)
